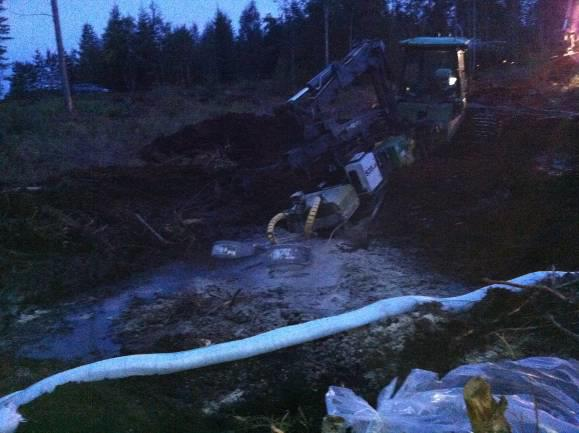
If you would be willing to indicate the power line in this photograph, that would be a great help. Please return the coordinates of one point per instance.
(28, 15)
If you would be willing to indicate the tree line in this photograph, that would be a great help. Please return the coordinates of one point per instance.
(136, 53)
(4, 36)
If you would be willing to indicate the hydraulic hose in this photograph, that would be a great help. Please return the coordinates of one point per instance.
(166, 363)
(271, 227)
(312, 215)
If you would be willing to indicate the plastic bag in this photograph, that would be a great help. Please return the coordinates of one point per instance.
(540, 387)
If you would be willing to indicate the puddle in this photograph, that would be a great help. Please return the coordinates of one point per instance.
(85, 330)
(334, 282)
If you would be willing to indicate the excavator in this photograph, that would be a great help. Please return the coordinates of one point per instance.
(354, 156)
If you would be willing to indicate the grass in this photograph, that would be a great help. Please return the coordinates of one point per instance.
(38, 139)
(287, 423)
(119, 406)
(131, 405)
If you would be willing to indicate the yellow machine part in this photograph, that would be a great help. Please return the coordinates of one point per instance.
(272, 224)
(311, 219)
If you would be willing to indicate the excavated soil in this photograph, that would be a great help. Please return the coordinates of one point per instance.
(505, 208)
(90, 227)
(243, 138)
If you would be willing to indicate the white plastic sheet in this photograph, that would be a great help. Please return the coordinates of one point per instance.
(540, 387)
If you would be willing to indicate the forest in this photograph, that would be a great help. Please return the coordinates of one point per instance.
(137, 53)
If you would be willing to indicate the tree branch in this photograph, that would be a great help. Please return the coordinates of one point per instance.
(551, 290)
(562, 328)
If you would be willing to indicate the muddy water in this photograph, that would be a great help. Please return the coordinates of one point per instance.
(337, 280)
(81, 329)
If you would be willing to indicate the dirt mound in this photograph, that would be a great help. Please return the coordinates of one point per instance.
(243, 138)
(500, 210)
(87, 227)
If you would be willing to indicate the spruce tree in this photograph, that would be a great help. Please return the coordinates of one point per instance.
(146, 50)
(224, 47)
(118, 51)
(4, 32)
(438, 13)
(250, 42)
(207, 52)
(90, 54)
(272, 45)
(180, 56)
(23, 79)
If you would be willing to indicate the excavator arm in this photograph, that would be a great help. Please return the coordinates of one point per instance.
(312, 104)
(366, 58)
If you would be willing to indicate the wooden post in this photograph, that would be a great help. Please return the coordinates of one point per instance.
(61, 58)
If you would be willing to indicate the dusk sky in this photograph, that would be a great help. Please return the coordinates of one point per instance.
(36, 32)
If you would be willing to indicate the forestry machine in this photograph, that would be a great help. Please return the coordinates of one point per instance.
(353, 157)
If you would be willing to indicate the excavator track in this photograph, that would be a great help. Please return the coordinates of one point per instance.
(485, 126)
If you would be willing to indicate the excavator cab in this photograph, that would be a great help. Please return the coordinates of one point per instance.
(433, 85)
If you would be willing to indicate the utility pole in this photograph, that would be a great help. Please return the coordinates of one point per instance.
(327, 29)
(474, 34)
(61, 58)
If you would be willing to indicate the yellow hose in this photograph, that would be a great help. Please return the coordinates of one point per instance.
(271, 226)
(311, 219)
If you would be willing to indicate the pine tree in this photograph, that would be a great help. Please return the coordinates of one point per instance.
(224, 46)
(90, 68)
(314, 32)
(4, 32)
(147, 51)
(438, 13)
(272, 45)
(295, 37)
(181, 56)
(370, 19)
(207, 52)
(23, 79)
(118, 51)
(250, 42)
(161, 30)
(72, 60)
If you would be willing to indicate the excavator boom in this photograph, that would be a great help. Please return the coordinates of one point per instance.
(367, 57)
(312, 105)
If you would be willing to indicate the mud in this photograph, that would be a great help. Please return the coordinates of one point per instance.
(243, 138)
(90, 227)
(503, 209)
(193, 304)
(367, 358)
